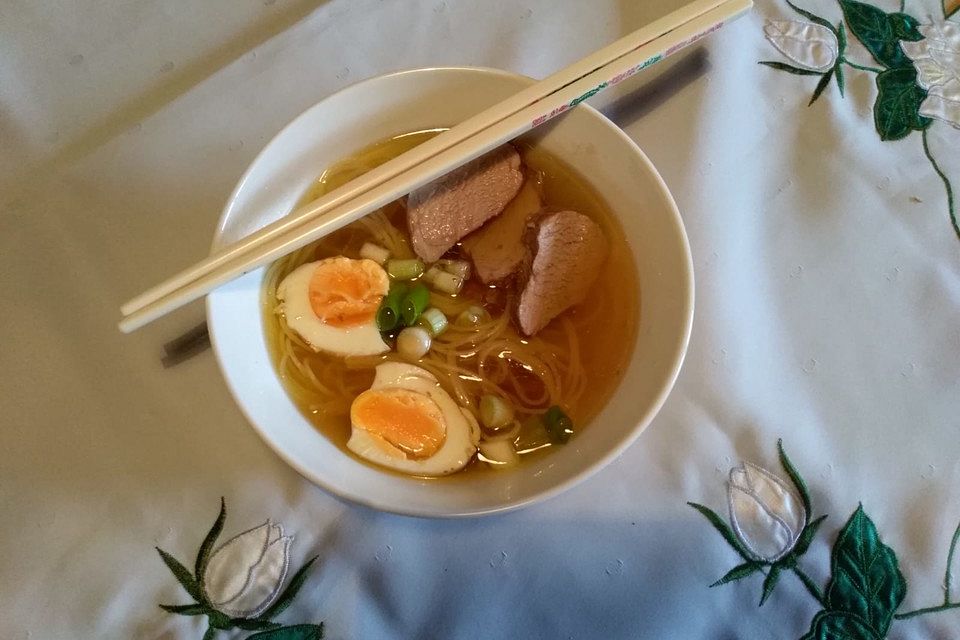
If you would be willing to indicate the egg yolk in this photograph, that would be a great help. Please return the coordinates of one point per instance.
(409, 421)
(346, 293)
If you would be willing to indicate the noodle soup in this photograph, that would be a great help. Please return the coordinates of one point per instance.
(570, 367)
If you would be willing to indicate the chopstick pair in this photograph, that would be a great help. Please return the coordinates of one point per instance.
(436, 157)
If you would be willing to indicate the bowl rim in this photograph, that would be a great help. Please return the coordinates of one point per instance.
(677, 358)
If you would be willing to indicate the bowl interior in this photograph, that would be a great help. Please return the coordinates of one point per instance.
(382, 107)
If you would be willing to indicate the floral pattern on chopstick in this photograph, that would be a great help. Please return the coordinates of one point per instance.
(238, 584)
(918, 77)
(772, 526)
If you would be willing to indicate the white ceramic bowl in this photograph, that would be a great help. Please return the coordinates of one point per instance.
(388, 105)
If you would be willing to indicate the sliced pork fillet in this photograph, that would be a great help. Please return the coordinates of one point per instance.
(567, 251)
(441, 213)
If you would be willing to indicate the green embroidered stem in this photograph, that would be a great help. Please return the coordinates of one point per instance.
(948, 577)
(811, 586)
(861, 67)
(920, 612)
(946, 183)
(903, 5)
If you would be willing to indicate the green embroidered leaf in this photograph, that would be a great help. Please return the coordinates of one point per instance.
(835, 625)
(253, 624)
(838, 70)
(210, 634)
(779, 66)
(813, 18)
(739, 572)
(795, 477)
(806, 537)
(203, 555)
(824, 81)
(866, 579)
(905, 27)
(183, 576)
(897, 110)
(879, 31)
(770, 582)
(722, 528)
(295, 632)
(185, 609)
(290, 592)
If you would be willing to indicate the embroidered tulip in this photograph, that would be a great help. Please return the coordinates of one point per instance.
(937, 59)
(766, 514)
(810, 46)
(245, 574)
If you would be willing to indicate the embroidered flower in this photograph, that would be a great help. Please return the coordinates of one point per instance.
(767, 515)
(810, 46)
(866, 586)
(245, 574)
(238, 585)
(937, 59)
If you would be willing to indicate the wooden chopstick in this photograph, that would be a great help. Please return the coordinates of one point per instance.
(429, 161)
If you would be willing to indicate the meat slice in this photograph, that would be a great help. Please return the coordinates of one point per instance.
(497, 248)
(568, 250)
(441, 213)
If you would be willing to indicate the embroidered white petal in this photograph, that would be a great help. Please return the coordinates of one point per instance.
(938, 107)
(937, 59)
(946, 32)
(948, 61)
(767, 516)
(244, 575)
(929, 73)
(916, 50)
(810, 46)
(228, 571)
(265, 581)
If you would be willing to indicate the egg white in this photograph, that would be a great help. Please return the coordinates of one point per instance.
(294, 296)
(462, 429)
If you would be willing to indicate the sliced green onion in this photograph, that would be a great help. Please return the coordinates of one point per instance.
(374, 252)
(413, 343)
(559, 426)
(413, 304)
(405, 269)
(432, 273)
(459, 268)
(388, 315)
(446, 282)
(433, 321)
(472, 316)
(495, 412)
(499, 453)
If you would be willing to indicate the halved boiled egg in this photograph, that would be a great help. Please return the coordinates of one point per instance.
(332, 304)
(407, 422)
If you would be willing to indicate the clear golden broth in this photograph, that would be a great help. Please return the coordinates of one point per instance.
(605, 322)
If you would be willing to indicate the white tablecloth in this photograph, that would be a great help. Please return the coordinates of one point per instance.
(828, 292)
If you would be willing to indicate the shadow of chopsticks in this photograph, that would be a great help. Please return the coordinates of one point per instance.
(191, 343)
(673, 76)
